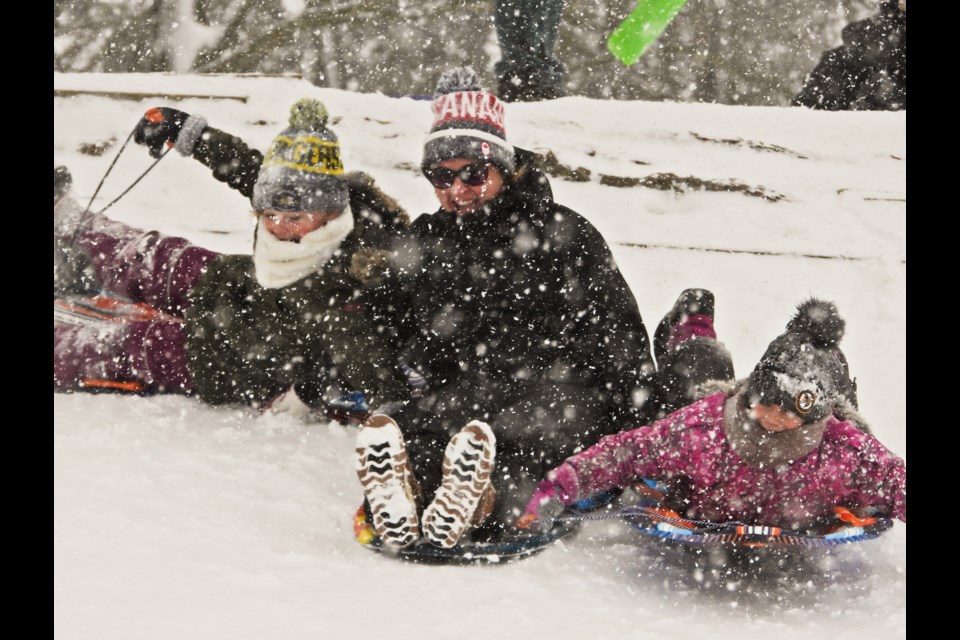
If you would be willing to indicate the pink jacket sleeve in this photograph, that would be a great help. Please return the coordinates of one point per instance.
(881, 478)
(622, 458)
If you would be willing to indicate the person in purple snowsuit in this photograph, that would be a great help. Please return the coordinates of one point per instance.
(781, 449)
(292, 326)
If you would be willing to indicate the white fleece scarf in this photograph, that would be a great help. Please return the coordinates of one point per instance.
(278, 263)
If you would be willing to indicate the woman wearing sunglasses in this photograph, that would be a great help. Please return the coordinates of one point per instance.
(526, 332)
(291, 326)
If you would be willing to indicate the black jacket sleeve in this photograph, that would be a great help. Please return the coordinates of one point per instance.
(230, 159)
(230, 357)
(609, 332)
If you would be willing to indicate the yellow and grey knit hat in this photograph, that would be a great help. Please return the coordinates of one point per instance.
(302, 170)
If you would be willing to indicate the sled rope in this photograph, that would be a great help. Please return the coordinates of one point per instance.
(734, 531)
(626, 512)
(110, 168)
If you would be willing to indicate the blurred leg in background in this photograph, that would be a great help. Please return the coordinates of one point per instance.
(527, 31)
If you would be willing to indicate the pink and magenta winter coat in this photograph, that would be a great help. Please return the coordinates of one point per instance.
(690, 453)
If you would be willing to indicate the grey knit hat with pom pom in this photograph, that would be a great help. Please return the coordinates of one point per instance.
(302, 170)
(467, 123)
(803, 370)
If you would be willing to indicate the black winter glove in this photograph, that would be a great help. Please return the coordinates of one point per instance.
(158, 126)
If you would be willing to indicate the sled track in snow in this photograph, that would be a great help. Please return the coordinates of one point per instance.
(752, 252)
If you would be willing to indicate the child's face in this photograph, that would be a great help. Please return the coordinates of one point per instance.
(293, 225)
(773, 417)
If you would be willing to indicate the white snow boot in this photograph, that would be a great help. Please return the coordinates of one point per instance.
(388, 482)
(466, 496)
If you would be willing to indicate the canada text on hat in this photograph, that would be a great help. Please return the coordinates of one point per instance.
(477, 108)
(468, 122)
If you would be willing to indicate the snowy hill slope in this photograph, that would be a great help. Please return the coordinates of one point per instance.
(175, 519)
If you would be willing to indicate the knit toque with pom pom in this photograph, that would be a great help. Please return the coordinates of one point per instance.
(803, 370)
(467, 123)
(302, 170)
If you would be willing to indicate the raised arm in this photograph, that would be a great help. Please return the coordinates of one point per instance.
(226, 155)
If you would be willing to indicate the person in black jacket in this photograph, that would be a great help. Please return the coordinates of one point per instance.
(515, 313)
(292, 326)
(869, 71)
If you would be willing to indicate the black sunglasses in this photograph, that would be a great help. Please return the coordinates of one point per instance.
(472, 175)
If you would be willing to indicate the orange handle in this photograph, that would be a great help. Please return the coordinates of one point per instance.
(526, 521)
(850, 517)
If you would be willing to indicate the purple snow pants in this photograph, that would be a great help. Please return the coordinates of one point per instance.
(144, 266)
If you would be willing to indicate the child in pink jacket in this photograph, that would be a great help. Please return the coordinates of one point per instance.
(780, 449)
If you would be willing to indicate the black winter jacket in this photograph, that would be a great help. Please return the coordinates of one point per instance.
(868, 72)
(523, 290)
(320, 333)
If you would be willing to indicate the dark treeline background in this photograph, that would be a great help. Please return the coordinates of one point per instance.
(754, 52)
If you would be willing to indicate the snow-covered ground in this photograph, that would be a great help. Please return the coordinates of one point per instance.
(177, 520)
